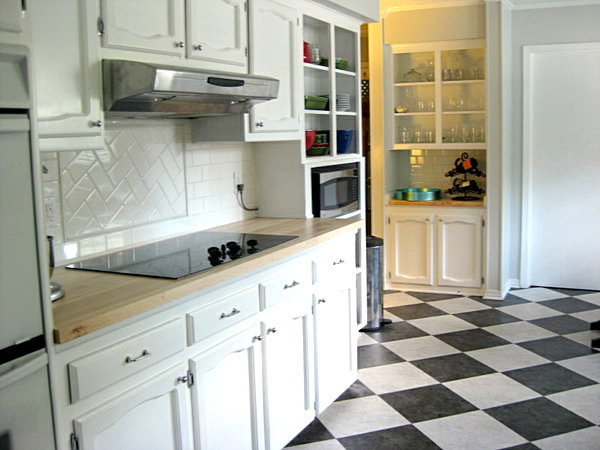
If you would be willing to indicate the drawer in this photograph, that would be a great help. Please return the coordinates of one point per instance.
(293, 279)
(335, 261)
(216, 317)
(94, 372)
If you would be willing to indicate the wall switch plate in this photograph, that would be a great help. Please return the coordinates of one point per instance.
(51, 212)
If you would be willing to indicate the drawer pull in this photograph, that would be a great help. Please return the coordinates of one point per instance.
(272, 330)
(257, 338)
(144, 354)
(289, 286)
(341, 261)
(233, 312)
(321, 300)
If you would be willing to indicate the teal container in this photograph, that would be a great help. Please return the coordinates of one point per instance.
(418, 194)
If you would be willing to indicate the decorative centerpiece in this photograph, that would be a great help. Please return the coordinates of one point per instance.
(461, 186)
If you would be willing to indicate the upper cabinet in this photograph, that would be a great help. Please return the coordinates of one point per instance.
(67, 75)
(437, 97)
(212, 31)
(12, 20)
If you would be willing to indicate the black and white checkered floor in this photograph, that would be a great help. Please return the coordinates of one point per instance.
(456, 372)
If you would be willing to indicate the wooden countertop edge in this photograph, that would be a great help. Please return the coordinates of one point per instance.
(453, 203)
(79, 312)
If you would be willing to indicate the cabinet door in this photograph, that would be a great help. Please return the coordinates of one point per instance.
(11, 16)
(410, 253)
(67, 72)
(155, 26)
(335, 344)
(155, 415)
(275, 44)
(287, 365)
(217, 31)
(459, 251)
(227, 394)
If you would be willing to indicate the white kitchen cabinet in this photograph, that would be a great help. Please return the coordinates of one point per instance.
(67, 72)
(227, 394)
(287, 370)
(155, 415)
(12, 16)
(436, 249)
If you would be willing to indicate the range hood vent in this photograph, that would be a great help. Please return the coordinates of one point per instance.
(140, 90)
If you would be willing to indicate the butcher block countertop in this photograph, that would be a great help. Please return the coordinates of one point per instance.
(95, 300)
(442, 202)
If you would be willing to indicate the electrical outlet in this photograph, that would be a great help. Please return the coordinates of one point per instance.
(51, 212)
(237, 179)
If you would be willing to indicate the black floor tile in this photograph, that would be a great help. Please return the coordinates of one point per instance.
(395, 331)
(549, 378)
(431, 296)
(314, 432)
(557, 348)
(562, 324)
(569, 305)
(406, 437)
(528, 446)
(468, 340)
(427, 403)
(376, 355)
(508, 300)
(573, 292)
(538, 418)
(487, 317)
(452, 367)
(357, 390)
(418, 311)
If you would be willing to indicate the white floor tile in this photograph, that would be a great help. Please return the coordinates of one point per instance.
(420, 348)
(507, 357)
(473, 430)
(459, 305)
(588, 366)
(584, 337)
(365, 339)
(537, 294)
(487, 391)
(592, 298)
(360, 415)
(393, 318)
(520, 331)
(399, 299)
(394, 377)
(441, 324)
(586, 439)
(584, 402)
(529, 311)
(331, 444)
(589, 316)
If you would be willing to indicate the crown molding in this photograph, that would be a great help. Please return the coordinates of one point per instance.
(518, 5)
(412, 5)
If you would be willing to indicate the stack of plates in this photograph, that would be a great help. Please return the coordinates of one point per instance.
(342, 101)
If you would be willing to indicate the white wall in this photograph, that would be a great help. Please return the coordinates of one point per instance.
(535, 27)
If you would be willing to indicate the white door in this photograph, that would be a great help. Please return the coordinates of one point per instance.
(217, 31)
(561, 166)
(155, 415)
(288, 382)
(410, 251)
(227, 394)
(335, 344)
(276, 52)
(459, 251)
(155, 26)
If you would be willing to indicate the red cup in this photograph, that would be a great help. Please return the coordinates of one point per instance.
(306, 52)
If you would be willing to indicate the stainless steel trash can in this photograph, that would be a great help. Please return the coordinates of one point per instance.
(374, 284)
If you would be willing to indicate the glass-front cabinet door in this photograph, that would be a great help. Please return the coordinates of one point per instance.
(438, 95)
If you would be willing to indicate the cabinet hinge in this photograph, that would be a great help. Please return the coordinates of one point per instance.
(23, 6)
(482, 222)
(390, 275)
(190, 378)
(298, 21)
(389, 221)
(100, 26)
(482, 280)
(74, 442)
(246, 51)
(245, 6)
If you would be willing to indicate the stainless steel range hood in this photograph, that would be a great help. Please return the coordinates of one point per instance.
(140, 90)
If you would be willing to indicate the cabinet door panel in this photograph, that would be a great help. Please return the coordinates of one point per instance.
(226, 394)
(157, 415)
(459, 251)
(11, 16)
(411, 248)
(288, 388)
(67, 75)
(155, 26)
(275, 44)
(217, 31)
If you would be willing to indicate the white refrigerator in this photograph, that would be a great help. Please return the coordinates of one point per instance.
(25, 408)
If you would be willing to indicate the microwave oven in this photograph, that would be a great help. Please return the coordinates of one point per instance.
(335, 190)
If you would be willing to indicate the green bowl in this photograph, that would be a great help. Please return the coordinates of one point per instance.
(318, 150)
(311, 102)
(418, 194)
(341, 64)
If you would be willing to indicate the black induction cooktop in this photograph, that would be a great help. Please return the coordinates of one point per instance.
(182, 256)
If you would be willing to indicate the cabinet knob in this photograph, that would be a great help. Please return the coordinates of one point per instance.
(96, 123)
(272, 330)
(198, 47)
(260, 124)
(257, 338)
(180, 44)
(321, 300)
(427, 219)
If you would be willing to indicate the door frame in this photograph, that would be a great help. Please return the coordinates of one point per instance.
(529, 52)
